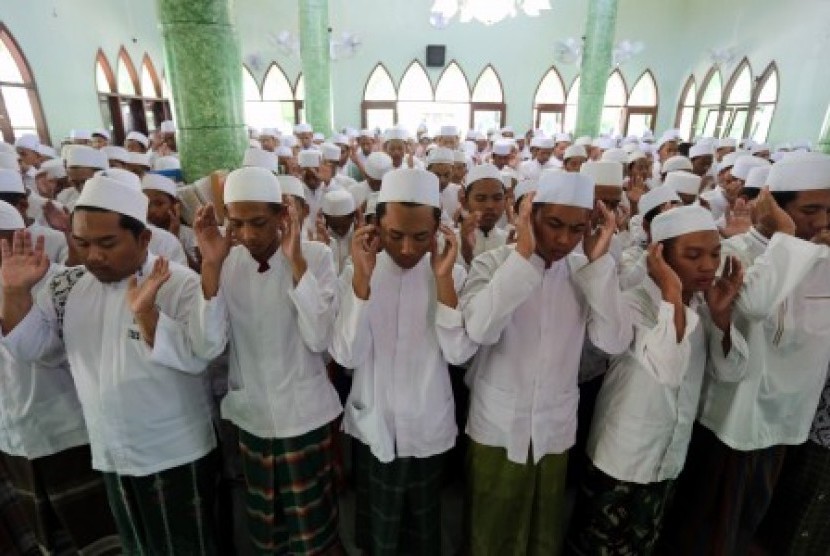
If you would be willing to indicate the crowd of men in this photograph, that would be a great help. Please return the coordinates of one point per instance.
(636, 325)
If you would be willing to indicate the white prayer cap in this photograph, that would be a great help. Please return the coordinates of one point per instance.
(252, 184)
(291, 185)
(318, 137)
(523, 188)
(666, 139)
(800, 172)
(330, 151)
(54, 168)
(542, 142)
(603, 143)
(139, 137)
(338, 203)
(86, 156)
(80, 135)
(368, 133)
(700, 149)
(410, 185)
(167, 163)
(254, 144)
(575, 150)
(744, 164)
(309, 158)
(759, 148)
(27, 141)
(283, 152)
(303, 128)
(683, 182)
(630, 147)
(584, 141)
(289, 141)
(681, 221)
(141, 159)
(757, 177)
(377, 164)
(605, 172)
(117, 153)
(269, 132)
(46, 151)
(648, 135)
(635, 155)
(395, 134)
(157, 182)
(342, 181)
(10, 161)
(657, 197)
(677, 162)
(615, 155)
(502, 148)
(6, 148)
(260, 159)
(565, 188)
(508, 176)
(507, 129)
(11, 181)
(101, 133)
(631, 140)
(459, 156)
(483, 172)
(440, 155)
(727, 143)
(371, 204)
(10, 218)
(448, 131)
(115, 191)
(729, 160)
(167, 126)
(340, 139)
(562, 138)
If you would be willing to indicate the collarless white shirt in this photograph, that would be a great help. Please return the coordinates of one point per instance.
(494, 239)
(146, 409)
(531, 322)
(340, 249)
(449, 200)
(36, 203)
(399, 342)
(164, 244)
(54, 242)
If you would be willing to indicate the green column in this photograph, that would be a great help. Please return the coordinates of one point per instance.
(314, 51)
(596, 64)
(203, 59)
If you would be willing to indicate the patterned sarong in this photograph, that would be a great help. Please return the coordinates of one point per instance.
(16, 535)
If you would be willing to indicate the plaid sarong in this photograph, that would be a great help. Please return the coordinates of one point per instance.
(65, 501)
(170, 512)
(617, 517)
(798, 521)
(514, 509)
(398, 504)
(16, 535)
(721, 497)
(290, 495)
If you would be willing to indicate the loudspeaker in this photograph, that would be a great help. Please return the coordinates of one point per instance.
(435, 55)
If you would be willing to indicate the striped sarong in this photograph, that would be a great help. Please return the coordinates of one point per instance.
(514, 509)
(66, 502)
(798, 521)
(170, 512)
(290, 495)
(16, 535)
(398, 504)
(721, 497)
(617, 517)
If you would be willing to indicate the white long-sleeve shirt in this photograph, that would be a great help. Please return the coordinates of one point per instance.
(648, 402)
(340, 249)
(54, 242)
(165, 244)
(399, 342)
(784, 313)
(277, 333)
(144, 414)
(496, 238)
(531, 323)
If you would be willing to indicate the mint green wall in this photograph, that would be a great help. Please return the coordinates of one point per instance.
(677, 34)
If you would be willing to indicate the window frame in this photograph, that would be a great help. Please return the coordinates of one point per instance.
(540, 108)
(366, 105)
(480, 106)
(641, 110)
(681, 106)
(29, 84)
(729, 111)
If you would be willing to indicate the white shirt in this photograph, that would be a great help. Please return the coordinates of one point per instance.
(449, 199)
(531, 322)
(648, 401)
(36, 202)
(493, 240)
(54, 244)
(531, 169)
(784, 313)
(340, 249)
(399, 342)
(314, 198)
(188, 240)
(164, 244)
(40, 414)
(360, 191)
(277, 333)
(146, 409)
(69, 197)
(717, 202)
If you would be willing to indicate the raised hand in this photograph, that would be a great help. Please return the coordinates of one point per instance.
(525, 240)
(175, 219)
(142, 298)
(469, 224)
(721, 296)
(596, 242)
(663, 275)
(23, 264)
(56, 217)
(365, 246)
(769, 217)
(623, 214)
(291, 232)
(444, 262)
(213, 246)
(636, 188)
(321, 231)
(822, 238)
(738, 219)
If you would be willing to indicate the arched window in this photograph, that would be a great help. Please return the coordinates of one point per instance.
(452, 98)
(571, 106)
(20, 110)
(738, 97)
(379, 100)
(299, 99)
(278, 100)
(253, 98)
(415, 97)
(156, 106)
(709, 105)
(549, 103)
(684, 120)
(616, 96)
(766, 98)
(641, 112)
(488, 108)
